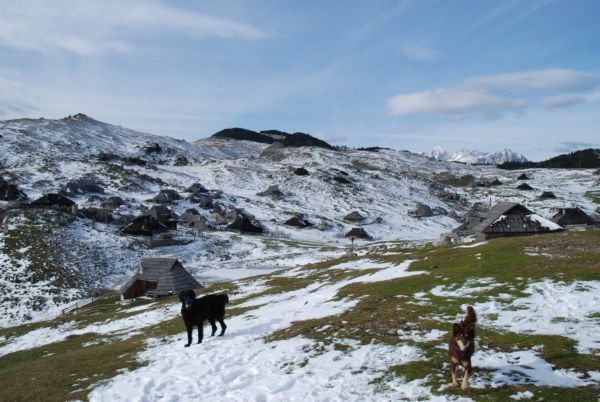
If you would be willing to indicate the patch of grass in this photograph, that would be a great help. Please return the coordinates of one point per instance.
(387, 307)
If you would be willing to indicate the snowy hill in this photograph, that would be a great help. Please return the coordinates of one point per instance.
(61, 256)
(475, 157)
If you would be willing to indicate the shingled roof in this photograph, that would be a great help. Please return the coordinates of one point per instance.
(512, 219)
(167, 272)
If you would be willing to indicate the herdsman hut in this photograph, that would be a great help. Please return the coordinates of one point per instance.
(574, 219)
(158, 277)
(508, 219)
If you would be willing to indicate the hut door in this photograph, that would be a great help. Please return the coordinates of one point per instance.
(137, 289)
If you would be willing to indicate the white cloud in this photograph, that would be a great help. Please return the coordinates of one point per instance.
(454, 103)
(86, 27)
(561, 80)
(492, 95)
(564, 100)
(420, 52)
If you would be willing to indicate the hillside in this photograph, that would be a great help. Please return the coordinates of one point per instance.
(370, 327)
(272, 136)
(584, 159)
(63, 257)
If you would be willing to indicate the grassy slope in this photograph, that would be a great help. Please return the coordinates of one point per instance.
(65, 370)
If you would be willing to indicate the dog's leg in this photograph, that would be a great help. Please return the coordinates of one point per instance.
(200, 331)
(465, 382)
(223, 326)
(213, 326)
(189, 328)
(453, 367)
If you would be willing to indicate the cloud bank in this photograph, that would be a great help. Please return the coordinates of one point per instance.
(86, 28)
(492, 96)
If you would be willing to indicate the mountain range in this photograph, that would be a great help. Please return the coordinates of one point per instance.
(476, 157)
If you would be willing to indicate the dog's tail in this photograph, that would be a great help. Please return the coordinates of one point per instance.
(471, 317)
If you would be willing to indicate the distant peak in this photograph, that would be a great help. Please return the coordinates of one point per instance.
(78, 116)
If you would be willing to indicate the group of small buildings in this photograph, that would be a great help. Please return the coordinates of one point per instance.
(507, 219)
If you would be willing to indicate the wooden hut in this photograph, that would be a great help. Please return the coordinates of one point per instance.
(298, 221)
(354, 216)
(573, 217)
(144, 225)
(359, 233)
(524, 186)
(245, 223)
(546, 195)
(192, 219)
(507, 219)
(159, 277)
(53, 199)
(301, 172)
(196, 188)
(166, 196)
(164, 215)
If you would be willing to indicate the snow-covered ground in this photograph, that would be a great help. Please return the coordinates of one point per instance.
(551, 308)
(243, 365)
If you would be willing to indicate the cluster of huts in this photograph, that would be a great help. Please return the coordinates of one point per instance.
(507, 219)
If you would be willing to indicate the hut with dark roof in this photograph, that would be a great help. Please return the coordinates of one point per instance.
(144, 225)
(571, 217)
(507, 219)
(298, 221)
(51, 200)
(546, 195)
(301, 172)
(166, 196)
(164, 215)
(159, 277)
(192, 219)
(354, 216)
(359, 233)
(196, 188)
(245, 223)
(524, 186)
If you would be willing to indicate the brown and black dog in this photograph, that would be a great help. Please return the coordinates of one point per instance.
(461, 346)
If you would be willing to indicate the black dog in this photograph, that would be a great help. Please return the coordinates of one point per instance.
(461, 347)
(195, 311)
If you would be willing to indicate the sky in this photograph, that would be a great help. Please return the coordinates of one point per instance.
(413, 74)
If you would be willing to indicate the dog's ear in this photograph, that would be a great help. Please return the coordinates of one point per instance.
(181, 295)
(455, 330)
(192, 293)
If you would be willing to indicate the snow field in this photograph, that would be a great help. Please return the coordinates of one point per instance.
(552, 308)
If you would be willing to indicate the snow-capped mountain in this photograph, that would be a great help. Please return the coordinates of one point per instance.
(438, 153)
(475, 157)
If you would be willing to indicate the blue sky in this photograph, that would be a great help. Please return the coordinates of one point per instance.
(403, 74)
